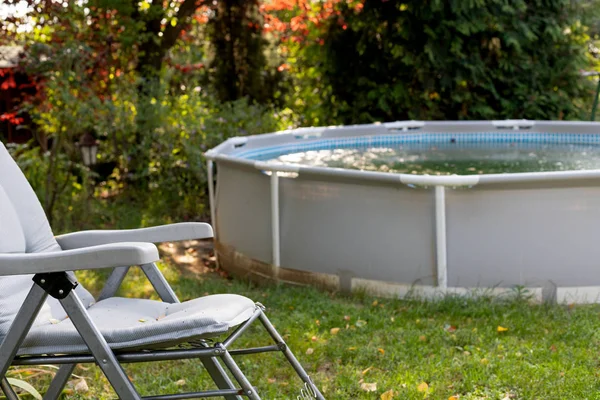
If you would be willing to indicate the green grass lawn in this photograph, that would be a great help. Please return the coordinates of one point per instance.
(361, 347)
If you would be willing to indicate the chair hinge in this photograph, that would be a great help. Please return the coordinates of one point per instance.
(56, 284)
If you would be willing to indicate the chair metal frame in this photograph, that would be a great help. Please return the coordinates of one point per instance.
(60, 285)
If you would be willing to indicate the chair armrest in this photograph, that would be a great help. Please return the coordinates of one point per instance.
(94, 257)
(156, 234)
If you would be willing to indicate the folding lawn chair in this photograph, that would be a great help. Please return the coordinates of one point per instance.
(47, 318)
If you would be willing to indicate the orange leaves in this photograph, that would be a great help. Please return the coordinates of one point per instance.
(283, 67)
(423, 387)
(9, 83)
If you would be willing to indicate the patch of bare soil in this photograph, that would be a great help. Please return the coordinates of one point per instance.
(195, 257)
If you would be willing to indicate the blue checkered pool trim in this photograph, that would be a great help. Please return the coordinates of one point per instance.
(469, 139)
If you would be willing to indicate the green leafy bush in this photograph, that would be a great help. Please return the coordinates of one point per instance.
(485, 59)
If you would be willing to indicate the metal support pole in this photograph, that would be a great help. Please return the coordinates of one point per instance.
(440, 237)
(99, 348)
(311, 391)
(9, 393)
(20, 327)
(595, 106)
(159, 283)
(275, 223)
(113, 283)
(211, 194)
(58, 383)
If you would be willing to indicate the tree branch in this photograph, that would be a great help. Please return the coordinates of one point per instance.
(171, 33)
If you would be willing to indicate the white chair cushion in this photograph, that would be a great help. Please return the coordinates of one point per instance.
(38, 235)
(24, 228)
(134, 323)
(12, 239)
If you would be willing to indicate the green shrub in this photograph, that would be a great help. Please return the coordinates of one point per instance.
(485, 59)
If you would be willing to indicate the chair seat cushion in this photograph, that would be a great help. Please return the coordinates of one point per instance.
(135, 323)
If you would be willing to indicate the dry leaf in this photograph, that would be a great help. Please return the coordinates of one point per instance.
(366, 370)
(389, 395)
(271, 380)
(375, 303)
(423, 387)
(81, 386)
(422, 338)
(452, 398)
(334, 331)
(309, 351)
(180, 382)
(501, 329)
(450, 328)
(346, 318)
(382, 351)
(314, 338)
(368, 387)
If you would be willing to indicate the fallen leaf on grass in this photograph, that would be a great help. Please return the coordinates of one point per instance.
(423, 387)
(81, 386)
(309, 351)
(334, 331)
(180, 382)
(501, 329)
(450, 328)
(389, 395)
(382, 351)
(360, 323)
(452, 398)
(368, 387)
(366, 370)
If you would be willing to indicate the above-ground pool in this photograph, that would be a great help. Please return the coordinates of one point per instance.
(415, 207)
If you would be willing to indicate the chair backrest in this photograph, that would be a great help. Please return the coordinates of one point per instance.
(24, 228)
(21, 214)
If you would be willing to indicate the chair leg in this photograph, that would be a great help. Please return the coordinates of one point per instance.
(113, 282)
(58, 383)
(218, 374)
(99, 348)
(239, 376)
(311, 389)
(8, 390)
(20, 326)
